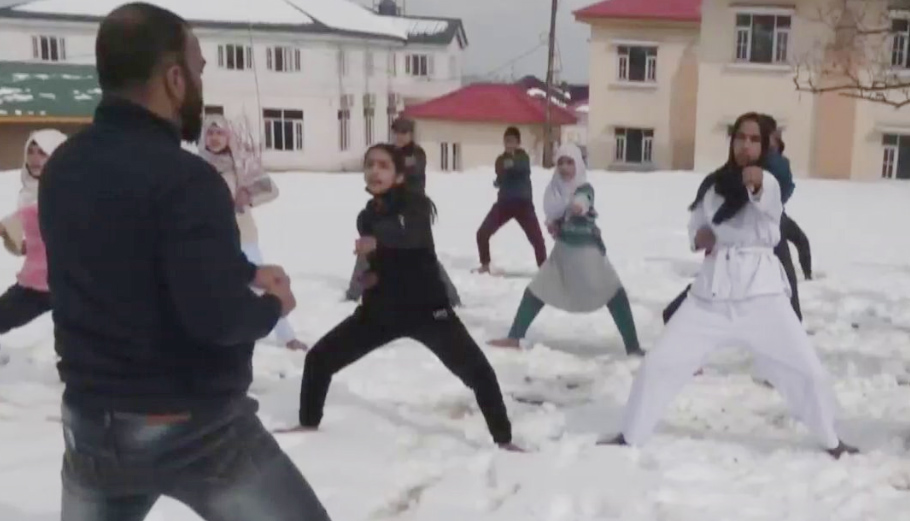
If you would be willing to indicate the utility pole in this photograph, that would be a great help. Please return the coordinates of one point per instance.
(548, 124)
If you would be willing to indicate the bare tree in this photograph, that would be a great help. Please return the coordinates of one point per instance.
(862, 52)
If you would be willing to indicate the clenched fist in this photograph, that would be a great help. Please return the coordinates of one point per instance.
(705, 240)
(752, 178)
(364, 245)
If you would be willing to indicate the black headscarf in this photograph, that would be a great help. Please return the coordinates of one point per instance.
(728, 179)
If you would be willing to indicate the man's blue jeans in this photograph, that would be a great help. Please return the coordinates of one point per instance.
(222, 463)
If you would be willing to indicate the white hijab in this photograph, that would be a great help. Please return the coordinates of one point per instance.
(560, 192)
(48, 140)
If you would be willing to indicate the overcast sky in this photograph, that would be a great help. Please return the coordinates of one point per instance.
(501, 30)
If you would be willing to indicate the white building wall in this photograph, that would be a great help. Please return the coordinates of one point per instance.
(316, 89)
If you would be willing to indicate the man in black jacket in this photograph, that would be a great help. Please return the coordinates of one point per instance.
(155, 319)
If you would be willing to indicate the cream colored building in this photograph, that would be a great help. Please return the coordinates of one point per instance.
(643, 85)
(746, 54)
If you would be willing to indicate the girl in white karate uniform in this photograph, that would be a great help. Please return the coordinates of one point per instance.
(740, 298)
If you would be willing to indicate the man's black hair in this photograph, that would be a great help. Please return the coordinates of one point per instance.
(132, 42)
(513, 132)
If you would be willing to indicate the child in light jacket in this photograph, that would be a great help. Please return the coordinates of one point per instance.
(30, 297)
(240, 167)
(577, 277)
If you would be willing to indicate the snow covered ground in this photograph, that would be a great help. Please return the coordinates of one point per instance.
(402, 439)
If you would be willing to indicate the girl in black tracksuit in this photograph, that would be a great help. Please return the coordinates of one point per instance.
(405, 297)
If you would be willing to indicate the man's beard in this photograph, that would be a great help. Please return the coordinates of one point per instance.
(191, 114)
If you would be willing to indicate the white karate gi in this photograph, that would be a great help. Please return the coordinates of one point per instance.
(740, 298)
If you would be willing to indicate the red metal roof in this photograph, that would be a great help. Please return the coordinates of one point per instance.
(672, 10)
(492, 103)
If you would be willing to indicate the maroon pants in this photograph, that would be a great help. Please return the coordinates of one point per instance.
(503, 212)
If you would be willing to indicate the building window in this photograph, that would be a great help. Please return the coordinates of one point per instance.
(449, 157)
(393, 64)
(344, 122)
(49, 48)
(895, 156)
(369, 117)
(212, 110)
(368, 64)
(235, 57)
(900, 29)
(419, 65)
(453, 67)
(392, 112)
(283, 129)
(637, 63)
(634, 145)
(762, 38)
(342, 59)
(282, 59)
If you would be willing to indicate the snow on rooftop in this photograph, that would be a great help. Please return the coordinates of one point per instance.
(538, 93)
(16, 97)
(416, 26)
(345, 15)
(341, 15)
(230, 11)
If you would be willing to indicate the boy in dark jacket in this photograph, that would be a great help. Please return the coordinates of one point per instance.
(415, 158)
(515, 201)
(404, 297)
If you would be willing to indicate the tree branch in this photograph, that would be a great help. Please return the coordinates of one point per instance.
(855, 58)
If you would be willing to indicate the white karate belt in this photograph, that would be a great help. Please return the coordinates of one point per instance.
(722, 281)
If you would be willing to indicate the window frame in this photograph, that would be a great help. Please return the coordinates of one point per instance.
(744, 36)
(283, 117)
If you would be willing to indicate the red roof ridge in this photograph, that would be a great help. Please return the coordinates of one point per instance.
(490, 102)
(669, 10)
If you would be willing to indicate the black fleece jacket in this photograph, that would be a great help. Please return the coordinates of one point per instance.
(409, 283)
(150, 290)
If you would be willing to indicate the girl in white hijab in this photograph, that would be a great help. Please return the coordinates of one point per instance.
(29, 297)
(577, 276)
(241, 169)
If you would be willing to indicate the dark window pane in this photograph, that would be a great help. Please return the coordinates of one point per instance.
(288, 135)
(783, 22)
(743, 20)
(637, 61)
(889, 139)
(900, 26)
(293, 114)
(279, 135)
(279, 59)
(633, 145)
(763, 39)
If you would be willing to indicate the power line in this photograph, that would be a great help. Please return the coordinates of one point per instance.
(512, 61)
